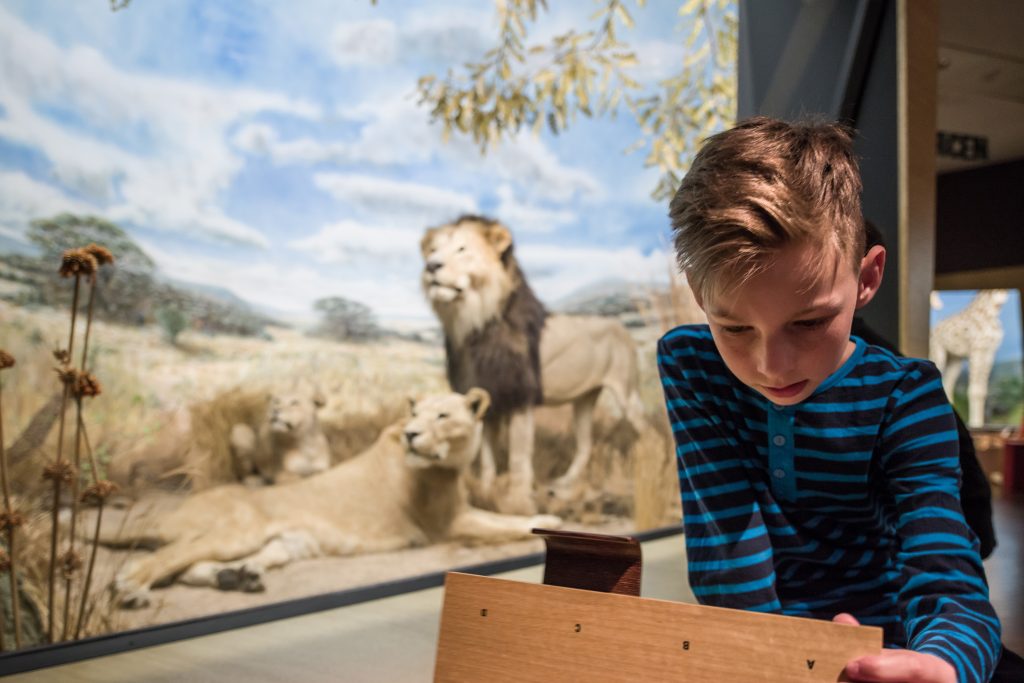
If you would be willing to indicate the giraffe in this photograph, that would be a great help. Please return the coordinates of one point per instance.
(973, 334)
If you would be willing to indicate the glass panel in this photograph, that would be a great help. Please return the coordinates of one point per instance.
(976, 342)
(263, 175)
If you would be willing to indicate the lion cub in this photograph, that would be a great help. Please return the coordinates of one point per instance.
(406, 490)
(289, 443)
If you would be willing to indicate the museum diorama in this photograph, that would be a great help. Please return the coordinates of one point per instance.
(305, 305)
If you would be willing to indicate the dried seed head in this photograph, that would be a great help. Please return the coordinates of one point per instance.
(78, 262)
(99, 492)
(6, 360)
(70, 563)
(60, 470)
(5, 561)
(62, 356)
(101, 254)
(87, 385)
(67, 376)
(11, 519)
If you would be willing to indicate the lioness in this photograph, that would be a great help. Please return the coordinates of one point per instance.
(499, 336)
(406, 490)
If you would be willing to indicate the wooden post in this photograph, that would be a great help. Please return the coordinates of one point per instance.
(917, 67)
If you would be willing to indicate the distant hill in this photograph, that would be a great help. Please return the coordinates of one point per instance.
(221, 294)
(131, 298)
(610, 297)
(9, 245)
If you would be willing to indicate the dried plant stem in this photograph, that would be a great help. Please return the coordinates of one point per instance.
(68, 577)
(95, 534)
(11, 550)
(80, 624)
(79, 426)
(88, 324)
(80, 436)
(56, 481)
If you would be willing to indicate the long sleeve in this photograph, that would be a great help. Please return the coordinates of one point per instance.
(943, 599)
(728, 548)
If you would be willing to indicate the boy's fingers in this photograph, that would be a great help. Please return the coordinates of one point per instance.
(844, 618)
(899, 666)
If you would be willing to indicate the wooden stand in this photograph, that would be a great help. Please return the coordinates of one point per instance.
(500, 630)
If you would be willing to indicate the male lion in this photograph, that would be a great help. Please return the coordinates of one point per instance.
(499, 336)
(289, 442)
(406, 490)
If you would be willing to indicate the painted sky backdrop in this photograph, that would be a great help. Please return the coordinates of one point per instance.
(276, 149)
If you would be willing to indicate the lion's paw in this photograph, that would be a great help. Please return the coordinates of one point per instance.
(130, 597)
(128, 594)
(517, 505)
(566, 489)
(240, 579)
(546, 522)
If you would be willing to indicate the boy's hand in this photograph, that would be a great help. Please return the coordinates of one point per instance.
(896, 666)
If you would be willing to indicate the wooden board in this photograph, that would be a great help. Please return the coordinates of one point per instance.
(500, 630)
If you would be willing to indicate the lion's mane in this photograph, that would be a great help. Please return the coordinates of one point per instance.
(503, 356)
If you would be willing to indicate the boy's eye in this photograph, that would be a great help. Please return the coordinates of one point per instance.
(734, 329)
(812, 324)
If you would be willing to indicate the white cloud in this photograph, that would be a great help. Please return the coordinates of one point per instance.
(451, 39)
(150, 148)
(556, 271)
(347, 242)
(293, 287)
(529, 218)
(657, 59)
(398, 200)
(528, 162)
(365, 43)
(397, 131)
(24, 198)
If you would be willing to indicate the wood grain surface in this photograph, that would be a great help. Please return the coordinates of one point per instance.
(499, 630)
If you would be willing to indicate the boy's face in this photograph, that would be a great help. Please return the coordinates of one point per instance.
(783, 332)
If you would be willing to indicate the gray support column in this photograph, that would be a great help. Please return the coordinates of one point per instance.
(842, 59)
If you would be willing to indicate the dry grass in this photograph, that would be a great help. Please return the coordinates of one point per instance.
(168, 410)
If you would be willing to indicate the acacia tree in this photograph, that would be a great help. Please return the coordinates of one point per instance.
(587, 72)
(344, 319)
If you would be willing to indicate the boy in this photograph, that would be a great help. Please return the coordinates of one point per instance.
(819, 474)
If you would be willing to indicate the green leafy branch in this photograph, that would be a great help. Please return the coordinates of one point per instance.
(516, 86)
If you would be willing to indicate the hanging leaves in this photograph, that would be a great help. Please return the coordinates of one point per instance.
(587, 72)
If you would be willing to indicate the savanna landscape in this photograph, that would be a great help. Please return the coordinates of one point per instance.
(161, 428)
(264, 177)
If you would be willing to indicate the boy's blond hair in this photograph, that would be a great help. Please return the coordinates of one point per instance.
(759, 186)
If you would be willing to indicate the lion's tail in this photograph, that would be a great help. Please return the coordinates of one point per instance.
(119, 528)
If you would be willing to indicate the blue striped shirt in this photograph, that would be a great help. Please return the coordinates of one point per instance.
(846, 502)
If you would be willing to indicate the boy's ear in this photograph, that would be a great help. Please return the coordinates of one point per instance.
(872, 268)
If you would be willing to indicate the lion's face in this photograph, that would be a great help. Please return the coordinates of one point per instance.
(461, 257)
(445, 430)
(464, 276)
(293, 412)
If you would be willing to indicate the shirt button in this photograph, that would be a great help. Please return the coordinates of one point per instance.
(779, 473)
(779, 440)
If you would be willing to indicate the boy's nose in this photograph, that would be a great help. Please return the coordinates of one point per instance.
(775, 359)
